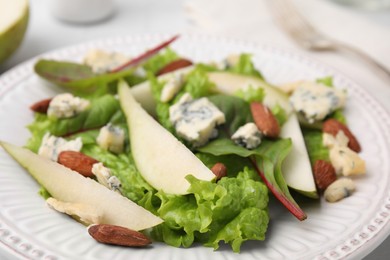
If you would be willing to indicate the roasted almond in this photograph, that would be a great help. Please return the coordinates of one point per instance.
(174, 65)
(78, 162)
(324, 174)
(265, 120)
(117, 235)
(333, 126)
(41, 106)
(219, 170)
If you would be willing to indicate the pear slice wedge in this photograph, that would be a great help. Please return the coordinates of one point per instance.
(162, 160)
(69, 186)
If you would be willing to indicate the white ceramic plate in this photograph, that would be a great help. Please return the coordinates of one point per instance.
(347, 229)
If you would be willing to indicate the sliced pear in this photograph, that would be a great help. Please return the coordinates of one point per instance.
(69, 186)
(297, 168)
(162, 160)
(229, 83)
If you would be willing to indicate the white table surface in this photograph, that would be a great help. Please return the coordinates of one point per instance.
(46, 33)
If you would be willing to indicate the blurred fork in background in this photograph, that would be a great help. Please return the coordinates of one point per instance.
(305, 35)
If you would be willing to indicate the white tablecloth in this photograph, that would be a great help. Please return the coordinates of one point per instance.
(247, 19)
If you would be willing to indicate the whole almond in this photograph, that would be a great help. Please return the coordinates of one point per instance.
(333, 126)
(41, 106)
(117, 235)
(174, 65)
(78, 162)
(219, 170)
(265, 120)
(324, 174)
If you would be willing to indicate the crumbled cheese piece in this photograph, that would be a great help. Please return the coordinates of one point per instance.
(345, 161)
(114, 183)
(247, 136)
(172, 87)
(86, 214)
(104, 177)
(66, 105)
(111, 138)
(339, 190)
(196, 120)
(315, 101)
(340, 139)
(52, 146)
(102, 61)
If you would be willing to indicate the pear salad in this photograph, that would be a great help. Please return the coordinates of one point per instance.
(160, 148)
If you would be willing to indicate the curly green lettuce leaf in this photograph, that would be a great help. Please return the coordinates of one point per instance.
(267, 160)
(157, 62)
(251, 94)
(122, 166)
(245, 66)
(212, 211)
(196, 83)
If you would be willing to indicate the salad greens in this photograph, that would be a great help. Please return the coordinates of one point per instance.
(232, 210)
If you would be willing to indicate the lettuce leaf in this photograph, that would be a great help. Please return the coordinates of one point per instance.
(212, 211)
(251, 94)
(245, 66)
(157, 62)
(122, 166)
(196, 83)
(267, 159)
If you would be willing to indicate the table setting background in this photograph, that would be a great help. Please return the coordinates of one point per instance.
(248, 20)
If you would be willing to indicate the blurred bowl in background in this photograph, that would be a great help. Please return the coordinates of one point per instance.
(81, 11)
(13, 24)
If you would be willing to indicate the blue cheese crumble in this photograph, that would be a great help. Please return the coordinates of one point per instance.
(111, 138)
(52, 146)
(247, 136)
(196, 120)
(104, 177)
(173, 85)
(315, 101)
(66, 105)
(345, 161)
